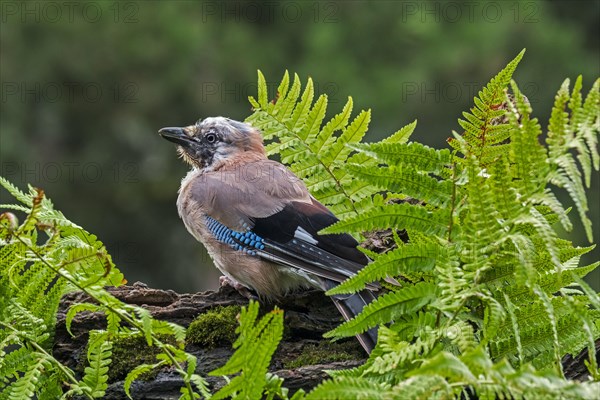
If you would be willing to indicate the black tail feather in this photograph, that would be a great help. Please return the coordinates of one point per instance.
(350, 306)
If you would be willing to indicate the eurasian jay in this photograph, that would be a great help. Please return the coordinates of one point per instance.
(258, 221)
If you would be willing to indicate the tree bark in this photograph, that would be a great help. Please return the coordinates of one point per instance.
(307, 316)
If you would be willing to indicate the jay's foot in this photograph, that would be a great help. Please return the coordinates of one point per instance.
(241, 289)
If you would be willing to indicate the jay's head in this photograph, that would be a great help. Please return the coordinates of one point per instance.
(215, 142)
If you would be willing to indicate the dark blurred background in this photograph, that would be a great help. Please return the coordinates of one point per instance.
(86, 85)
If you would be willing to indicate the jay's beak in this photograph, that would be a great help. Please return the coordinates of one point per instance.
(176, 135)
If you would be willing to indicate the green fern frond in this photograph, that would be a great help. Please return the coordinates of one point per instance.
(549, 309)
(349, 388)
(500, 379)
(536, 341)
(425, 387)
(481, 130)
(398, 356)
(448, 365)
(96, 374)
(24, 388)
(77, 308)
(414, 155)
(590, 123)
(35, 272)
(409, 327)
(591, 332)
(399, 216)
(405, 180)
(16, 192)
(577, 130)
(547, 198)
(462, 335)
(33, 216)
(255, 345)
(137, 372)
(146, 321)
(511, 311)
(591, 294)
(386, 308)
(168, 328)
(493, 316)
(12, 363)
(407, 259)
(295, 124)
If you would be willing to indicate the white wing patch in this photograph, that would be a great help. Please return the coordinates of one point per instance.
(303, 235)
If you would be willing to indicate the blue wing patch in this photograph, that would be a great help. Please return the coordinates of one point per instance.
(246, 242)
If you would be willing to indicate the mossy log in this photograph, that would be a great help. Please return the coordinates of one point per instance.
(301, 358)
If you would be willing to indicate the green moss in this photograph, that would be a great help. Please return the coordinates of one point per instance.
(130, 351)
(325, 352)
(215, 327)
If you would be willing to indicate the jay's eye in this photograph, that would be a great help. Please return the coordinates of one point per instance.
(211, 138)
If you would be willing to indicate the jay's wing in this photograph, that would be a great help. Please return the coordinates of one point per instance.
(266, 200)
(291, 237)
